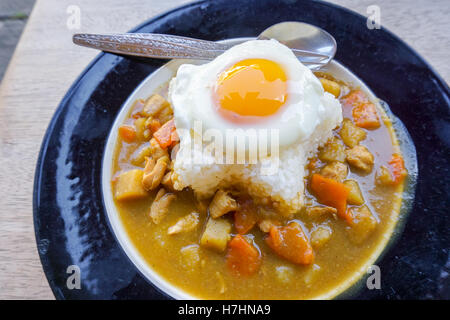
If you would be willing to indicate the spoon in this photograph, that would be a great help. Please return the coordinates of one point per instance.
(312, 45)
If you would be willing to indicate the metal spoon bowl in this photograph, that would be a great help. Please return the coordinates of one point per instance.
(313, 46)
(300, 35)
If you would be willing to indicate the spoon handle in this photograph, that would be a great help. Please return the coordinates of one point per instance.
(152, 45)
(165, 46)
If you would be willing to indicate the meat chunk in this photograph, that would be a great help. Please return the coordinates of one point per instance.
(360, 158)
(221, 204)
(319, 212)
(160, 205)
(167, 181)
(335, 170)
(154, 172)
(185, 224)
(362, 225)
(156, 151)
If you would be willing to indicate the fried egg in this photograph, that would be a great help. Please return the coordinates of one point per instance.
(256, 84)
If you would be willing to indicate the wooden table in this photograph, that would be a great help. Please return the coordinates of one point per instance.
(46, 63)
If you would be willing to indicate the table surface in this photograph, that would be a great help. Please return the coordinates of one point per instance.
(46, 63)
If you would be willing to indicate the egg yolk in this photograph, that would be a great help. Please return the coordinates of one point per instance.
(250, 88)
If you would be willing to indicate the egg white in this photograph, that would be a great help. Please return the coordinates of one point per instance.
(307, 105)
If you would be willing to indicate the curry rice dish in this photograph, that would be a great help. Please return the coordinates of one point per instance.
(229, 241)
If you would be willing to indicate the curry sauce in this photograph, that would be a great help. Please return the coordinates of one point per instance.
(363, 160)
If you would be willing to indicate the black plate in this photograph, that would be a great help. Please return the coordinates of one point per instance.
(69, 216)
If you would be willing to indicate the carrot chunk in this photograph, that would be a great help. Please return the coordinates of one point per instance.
(245, 217)
(290, 242)
(242, 257)
(397, 168)
(164, 134)
(127, 133)
(331, 193)
(365, 116)
(364, 112)
(354, 98)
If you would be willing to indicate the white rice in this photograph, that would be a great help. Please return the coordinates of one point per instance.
(285, 187)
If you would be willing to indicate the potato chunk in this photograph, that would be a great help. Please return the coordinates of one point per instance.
(185, 224)
(351, 134)
(355, 195)
(320, 236)
(332, 151)
(160, 205)
(362, 225)
(139, 124)
(216, 234)
(331, 86)
(129, 186)
(360, 158)
(221, 204)
(335, 170)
